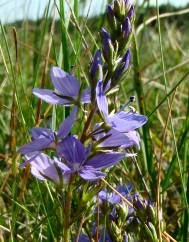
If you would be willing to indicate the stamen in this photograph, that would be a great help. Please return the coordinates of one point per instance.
(131, 99)
(132, 109)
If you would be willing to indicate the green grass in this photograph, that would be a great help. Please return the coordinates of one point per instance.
(31, 210)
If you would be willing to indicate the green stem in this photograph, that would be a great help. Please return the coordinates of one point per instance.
(67, 211)
(88, 123)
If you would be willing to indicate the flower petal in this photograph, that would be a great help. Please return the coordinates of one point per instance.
(114, 199)
(108, 85)
(29, 158)
(124, 65)
(134, 137)
(64, 83)
(125, 190)
(42, 167)
(49, 96)
(67, 124)
(104, 160)
(115, 139)
(125, 122)
(101, 99)
(103, 195)
(72, 150)
(36, 145)
(38, 133)
(90, 174)
(62, 166)
(107, 42)
(86, 95)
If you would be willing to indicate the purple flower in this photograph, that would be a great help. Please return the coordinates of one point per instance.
(67, 89)
(134, 138)
(85, 238)
(95, 73)
(112, 197)
(78, 160)
(107, 45)
(43, 138)
(122, 124)
(96, 64)
(131, 12)
(110, 10)
(122, 66)
(126, 28)
(110, 14)
(114, 138)
(42, 167)
(120, 121)
(140, 204)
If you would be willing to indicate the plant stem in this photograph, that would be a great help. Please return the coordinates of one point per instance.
(88, 123)
(79, 229)
(67, 211)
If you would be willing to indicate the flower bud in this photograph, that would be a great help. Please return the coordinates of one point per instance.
(110, 14)
(121, 8)
(95, 71)
(138, 203)
(122, 212)
(132, 224)
(151, 232)
(131, 13)
(126, 238)
(126, 29)
(151, 213)
(117, 8)
(115, 232)
(122, 67)
(97, 60)
(108, 49)
(128, 4)
(140, 206)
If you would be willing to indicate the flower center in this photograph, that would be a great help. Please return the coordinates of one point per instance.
(76, 166)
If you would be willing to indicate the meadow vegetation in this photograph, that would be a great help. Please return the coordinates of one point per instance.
(31, 210)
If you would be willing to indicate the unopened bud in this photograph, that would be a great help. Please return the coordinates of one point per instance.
(108, 49)
(122, 211)
(126, 28)
(97, 60)
(128, 3)
(131, 13)
(151, 232)
(110, 15)
(117, 8)
(122, 67)
(115, 232)
(140, 206)
(95, 72)
(151, 213)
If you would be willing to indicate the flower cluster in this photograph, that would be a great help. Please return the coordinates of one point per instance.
(123, 223)
(96, 134)
(106, 134)
(72, 155)
(115, 49)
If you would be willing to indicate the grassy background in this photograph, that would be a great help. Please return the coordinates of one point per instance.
(30, 210)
